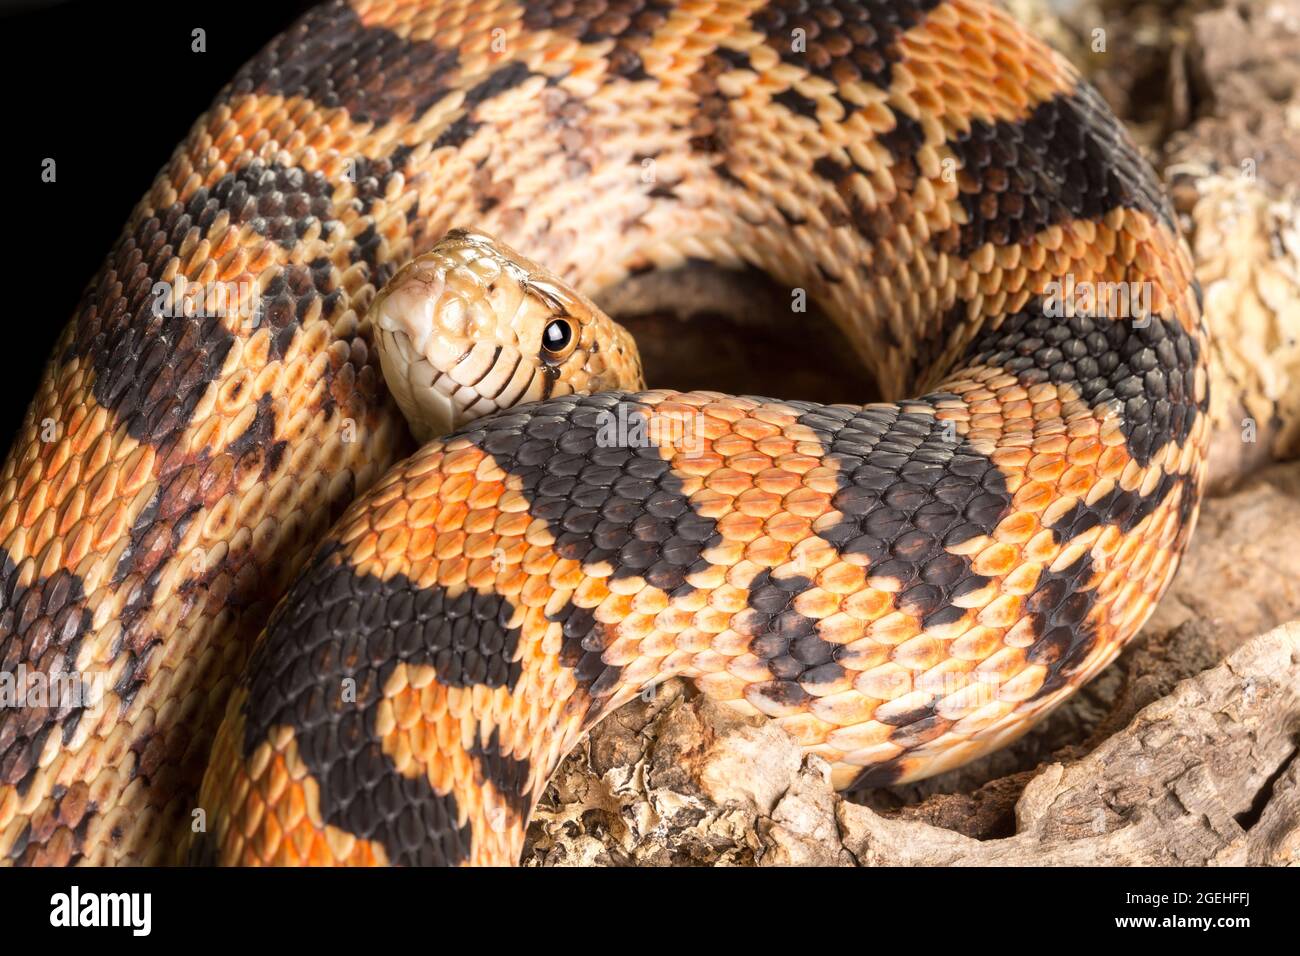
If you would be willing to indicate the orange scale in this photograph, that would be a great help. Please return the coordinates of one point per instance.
(807, 729)
(701, 464)
(446, 546)
(729, 445)
(1016, 528)
(961, 703)
(778, 481)
(883, 583)
(953, 629)
(839, 628)
(751, 463)
(1024, 633)
(566, 575)
(884, 682)
(466, 458)
(767, 552)
(841, 578)
(982, 720)
(480, 522)
(451, 517)
(803, 461)
(484, 497)
(816, 603)
(740, 527)
(719, 685)
(815, 553)
(710, 620)
(423, 513)
(902, 707)
(1076, 481)
(729, 598)
(775, 446)
(389, 517)
(869, 604)
(1141, 566)
(709, 503)
(1047, 468)
(756, 430)
(842, 709)
(536, 591)
(772, 698)
(986, 405)
(705, 660)
(858, 735)
(1041, 548)
(997, 560)
(788, 528)
(1129, 550)
(1024, 685)
(920, 653)
(946, 677)
(749, 668)
(673, 620)
(823, 480)
(1003, 612)
(1018, 412)
(756, 503)
(994, 424)
(1002, 665)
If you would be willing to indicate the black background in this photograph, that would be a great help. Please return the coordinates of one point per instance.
(107, 89)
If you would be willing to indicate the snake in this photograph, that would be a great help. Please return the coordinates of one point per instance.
(303, 631)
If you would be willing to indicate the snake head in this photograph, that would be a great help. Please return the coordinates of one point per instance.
(472, 327)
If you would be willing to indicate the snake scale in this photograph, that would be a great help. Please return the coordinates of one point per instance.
(901, 586)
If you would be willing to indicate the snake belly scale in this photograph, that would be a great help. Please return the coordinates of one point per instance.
(901, 586)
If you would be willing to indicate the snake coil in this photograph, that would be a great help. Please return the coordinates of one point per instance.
(901, 586)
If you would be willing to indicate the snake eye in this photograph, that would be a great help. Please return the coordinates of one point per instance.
(557, 340)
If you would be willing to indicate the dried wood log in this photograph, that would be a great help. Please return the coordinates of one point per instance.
(1204, 775)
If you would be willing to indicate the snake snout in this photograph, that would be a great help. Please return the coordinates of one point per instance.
(472, 327)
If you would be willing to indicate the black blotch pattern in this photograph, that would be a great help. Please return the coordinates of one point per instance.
(605, 496)
(496, 83)
(373, 176)
(1069, 159)
(260, 431)
(337, 624)
(883, 774)
(785, 640)
(1149, 373)
(583, 643)
(908, 489)
(151, 370)
(629, 23)
(331, 58)
(152, 362)
(1123, 509)
(289, 297)
(880, 222)
(508, 774)
(1063, 636)
(42, 627)
(278, 202)
(847, 41)
(797, 103)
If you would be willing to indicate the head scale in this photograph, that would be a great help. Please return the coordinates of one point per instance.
(472, 327)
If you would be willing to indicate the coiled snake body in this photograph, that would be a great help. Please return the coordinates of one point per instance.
(901, 586)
